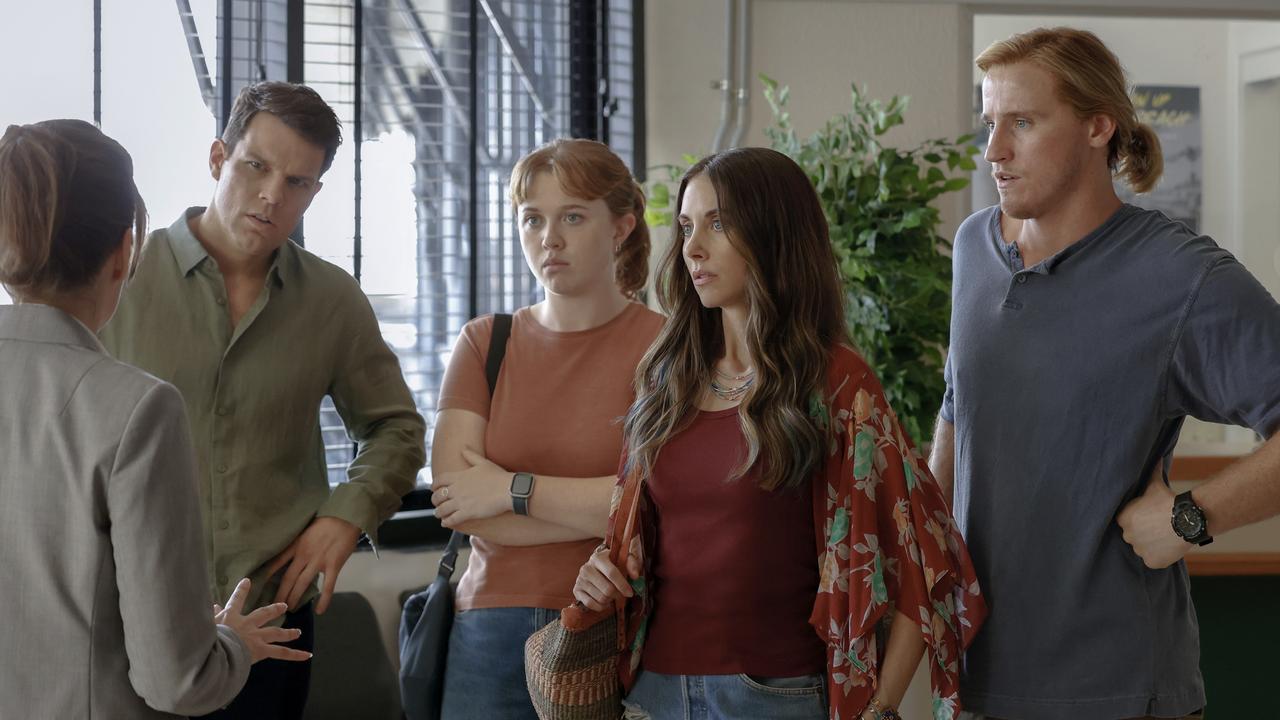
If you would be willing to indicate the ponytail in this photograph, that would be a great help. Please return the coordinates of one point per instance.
(1140, 161)
(632, 262)
(28, 202)
(67, 197)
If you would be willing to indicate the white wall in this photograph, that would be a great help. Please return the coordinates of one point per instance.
(818, 48)
(1254, 72)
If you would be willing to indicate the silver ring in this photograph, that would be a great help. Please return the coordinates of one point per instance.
(445, 492)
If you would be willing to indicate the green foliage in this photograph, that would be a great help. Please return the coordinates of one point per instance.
(659, 212)
(896, 268)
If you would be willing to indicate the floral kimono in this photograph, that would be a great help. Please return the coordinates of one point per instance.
(886, 540)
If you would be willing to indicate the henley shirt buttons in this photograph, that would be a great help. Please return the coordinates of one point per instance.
(224, 410)
(222, 580)
(1022, 279)
(222, 468)
(224, 525)
(222, 301)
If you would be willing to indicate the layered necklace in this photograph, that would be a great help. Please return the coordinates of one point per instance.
(736, 386)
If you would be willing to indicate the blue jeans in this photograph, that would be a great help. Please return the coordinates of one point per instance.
(726, 697)
(484, 675)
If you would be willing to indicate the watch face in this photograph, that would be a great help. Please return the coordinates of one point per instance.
(522, 484)
(1188, 522)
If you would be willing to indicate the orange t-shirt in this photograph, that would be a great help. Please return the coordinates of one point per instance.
(555, 411)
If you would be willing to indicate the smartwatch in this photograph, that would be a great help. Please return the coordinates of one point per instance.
(1188, 520)
(521, 491)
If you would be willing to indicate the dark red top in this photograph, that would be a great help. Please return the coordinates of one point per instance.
(735, 569)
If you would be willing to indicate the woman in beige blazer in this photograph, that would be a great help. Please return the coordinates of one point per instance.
(104, 595)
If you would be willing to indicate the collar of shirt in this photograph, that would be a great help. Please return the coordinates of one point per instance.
(1013, 255)
(33, 322)
(189, 252)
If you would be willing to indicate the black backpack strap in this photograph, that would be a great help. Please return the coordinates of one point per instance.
(492, 365)
(497, 350)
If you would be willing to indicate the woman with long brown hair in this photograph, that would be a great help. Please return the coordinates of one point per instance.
(529, 471)
(787, 511)
(99, 519)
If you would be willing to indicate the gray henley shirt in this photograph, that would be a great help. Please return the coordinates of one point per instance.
(1066, 383)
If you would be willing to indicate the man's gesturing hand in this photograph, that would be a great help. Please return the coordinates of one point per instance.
(322, 548)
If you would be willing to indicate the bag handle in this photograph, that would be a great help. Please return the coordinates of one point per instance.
(577, 616)
(492, 366)
(629, 512)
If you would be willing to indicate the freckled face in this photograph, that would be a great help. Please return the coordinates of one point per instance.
(568, 242)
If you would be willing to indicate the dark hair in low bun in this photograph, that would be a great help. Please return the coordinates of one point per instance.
(67, 197)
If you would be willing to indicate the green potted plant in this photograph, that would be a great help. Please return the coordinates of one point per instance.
(884, 229)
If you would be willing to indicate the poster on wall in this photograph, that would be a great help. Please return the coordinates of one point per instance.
(1174, 112)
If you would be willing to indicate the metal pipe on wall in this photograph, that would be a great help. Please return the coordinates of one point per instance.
(725, 84)
(743, 72)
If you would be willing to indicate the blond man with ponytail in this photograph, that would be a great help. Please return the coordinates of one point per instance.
(108, 612)
(1084, 331)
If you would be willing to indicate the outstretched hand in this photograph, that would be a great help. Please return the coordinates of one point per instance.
(260, 639)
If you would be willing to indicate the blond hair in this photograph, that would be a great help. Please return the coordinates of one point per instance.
(589, 170)
(1092, 81)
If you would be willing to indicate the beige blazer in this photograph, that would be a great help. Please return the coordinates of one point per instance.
(104, 607)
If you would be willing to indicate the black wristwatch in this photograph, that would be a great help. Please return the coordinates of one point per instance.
(1188, 520)
(521, 491)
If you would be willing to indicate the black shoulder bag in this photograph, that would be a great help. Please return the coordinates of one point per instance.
(427, 617)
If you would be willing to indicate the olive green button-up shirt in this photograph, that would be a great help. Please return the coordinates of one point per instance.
(253, 395)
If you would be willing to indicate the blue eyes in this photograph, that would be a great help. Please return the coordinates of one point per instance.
(534, 221)
(1020, 123)
(296, 182)
(686, 231)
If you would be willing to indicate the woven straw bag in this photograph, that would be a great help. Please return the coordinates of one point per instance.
(571, 666)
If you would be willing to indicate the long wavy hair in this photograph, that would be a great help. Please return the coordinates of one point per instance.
(772, 217)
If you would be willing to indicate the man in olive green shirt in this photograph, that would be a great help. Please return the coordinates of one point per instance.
(255, 332)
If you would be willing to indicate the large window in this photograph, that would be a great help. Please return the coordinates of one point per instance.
(56, 77)
(145, 94)
(438, 99)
